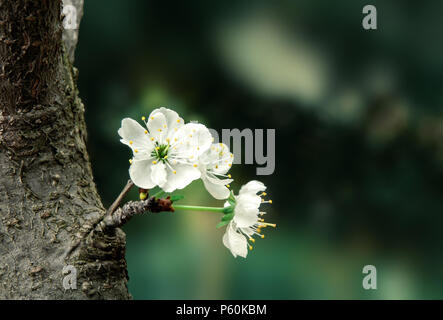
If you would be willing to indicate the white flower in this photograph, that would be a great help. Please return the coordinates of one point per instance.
(166, 152)
(246, 221)
(213, 164)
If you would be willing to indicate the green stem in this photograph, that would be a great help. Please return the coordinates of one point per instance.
(198, 208)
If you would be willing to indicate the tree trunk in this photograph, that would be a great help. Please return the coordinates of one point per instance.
(48, 199)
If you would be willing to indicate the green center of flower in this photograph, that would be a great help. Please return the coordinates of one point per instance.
(161, 152)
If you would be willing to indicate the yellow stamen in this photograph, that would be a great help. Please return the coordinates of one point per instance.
(174, 172)
(154, 162)
(252, 240)
(270, 201)
(165, 157)
(178, 120)
(143, 195)
(230, 164)
(143, 118)
(135, 150)
(229, 176)
(152, 139)
(130, 161)
(152, 118)
(131, 142)
(157, 148)
(262, 236)
(195, 166)
(228, 186)
(268, 224)
(250, 247)
(146, 131)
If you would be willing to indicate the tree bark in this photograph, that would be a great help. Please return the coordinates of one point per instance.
(48, 199)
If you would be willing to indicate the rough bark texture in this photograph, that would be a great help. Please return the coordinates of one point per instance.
(48, 199)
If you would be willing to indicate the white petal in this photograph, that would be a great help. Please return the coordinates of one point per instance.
(219, 158)
(157, 126)
(235, 242)
(215, 180)
(158, 174)
(131, 130)
(246, 210)
(140, 173)
(253, 187)
(166, 120)
(136, 137)
(218, 191)
(183, 176)
(248, 201)
(245, 219)
(193, 139)
(173, 120)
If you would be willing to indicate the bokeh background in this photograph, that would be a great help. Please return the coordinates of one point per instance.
(359, 140)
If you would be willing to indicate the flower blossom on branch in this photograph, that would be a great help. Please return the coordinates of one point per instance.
(166, 152)
(169, 153)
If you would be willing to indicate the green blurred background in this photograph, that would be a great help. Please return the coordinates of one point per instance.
(359, 140)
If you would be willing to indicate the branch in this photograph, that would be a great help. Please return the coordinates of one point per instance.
(119, 199)
(124, 214)
(117, 218)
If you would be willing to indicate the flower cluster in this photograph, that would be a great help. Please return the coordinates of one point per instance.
(169, 153)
